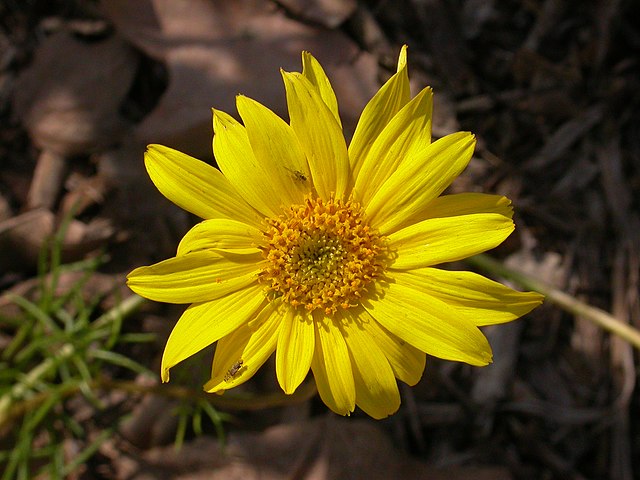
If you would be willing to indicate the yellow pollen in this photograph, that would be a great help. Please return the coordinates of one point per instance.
(322, 255)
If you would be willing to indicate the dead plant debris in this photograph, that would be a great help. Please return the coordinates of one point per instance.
(550, 88)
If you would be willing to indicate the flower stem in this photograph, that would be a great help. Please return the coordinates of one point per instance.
(123, 309)
(559, 298)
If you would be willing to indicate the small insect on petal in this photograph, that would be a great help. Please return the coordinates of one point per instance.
(234, 370)
(297, 175)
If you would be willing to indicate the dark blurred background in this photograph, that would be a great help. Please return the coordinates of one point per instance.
(551, 88)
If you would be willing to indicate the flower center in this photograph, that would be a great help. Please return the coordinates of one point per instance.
(322, 255)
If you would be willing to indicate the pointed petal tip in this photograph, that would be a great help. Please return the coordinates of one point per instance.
(151, 153)
(383, 413)
(468, 139)
(286, 76)
(289, 390)
(308, 60)
(152, 147)
(484, 358)
(213, 387)
(131, 282)
(344, 412)
(402, 58)
(242, 99)
(428, 92)
(131, 285)
(536, 299)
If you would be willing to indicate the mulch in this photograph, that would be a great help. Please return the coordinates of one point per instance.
(551, 89)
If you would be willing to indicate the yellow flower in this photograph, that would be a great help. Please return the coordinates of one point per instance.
(325, 253)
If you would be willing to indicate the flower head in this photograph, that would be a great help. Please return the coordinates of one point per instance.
(325, 253)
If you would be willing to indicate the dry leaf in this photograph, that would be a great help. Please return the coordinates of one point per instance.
(323, 449)
(47, 180)
(25, 236)
(69, 98)
(215, 50)
(329, 13)
(98, 285)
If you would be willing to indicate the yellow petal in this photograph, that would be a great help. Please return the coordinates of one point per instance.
(204, 323)
(320, 136)
(221, 234)
(376, 387)
(402, 58)
(296, 343)
(407, 133)
(278, 152)
(236, 159)
(465, 204)
(429, 325)
(420, 178)
(384, 105)
(195, 277)
(313, 71)
(196, 186)
(240, 355)
(482, 301)
(406, 360)
(462, 204)
(331, 367)
(439, 240)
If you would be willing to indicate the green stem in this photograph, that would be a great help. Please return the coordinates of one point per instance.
(122, 310)
(30, 379)
(559, 298)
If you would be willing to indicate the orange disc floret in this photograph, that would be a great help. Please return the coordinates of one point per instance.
(322, 255)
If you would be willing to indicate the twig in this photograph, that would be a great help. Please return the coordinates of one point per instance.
(559, 298)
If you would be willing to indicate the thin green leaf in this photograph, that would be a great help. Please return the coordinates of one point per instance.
(216, 419)
(36, 312)
(120, 360)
